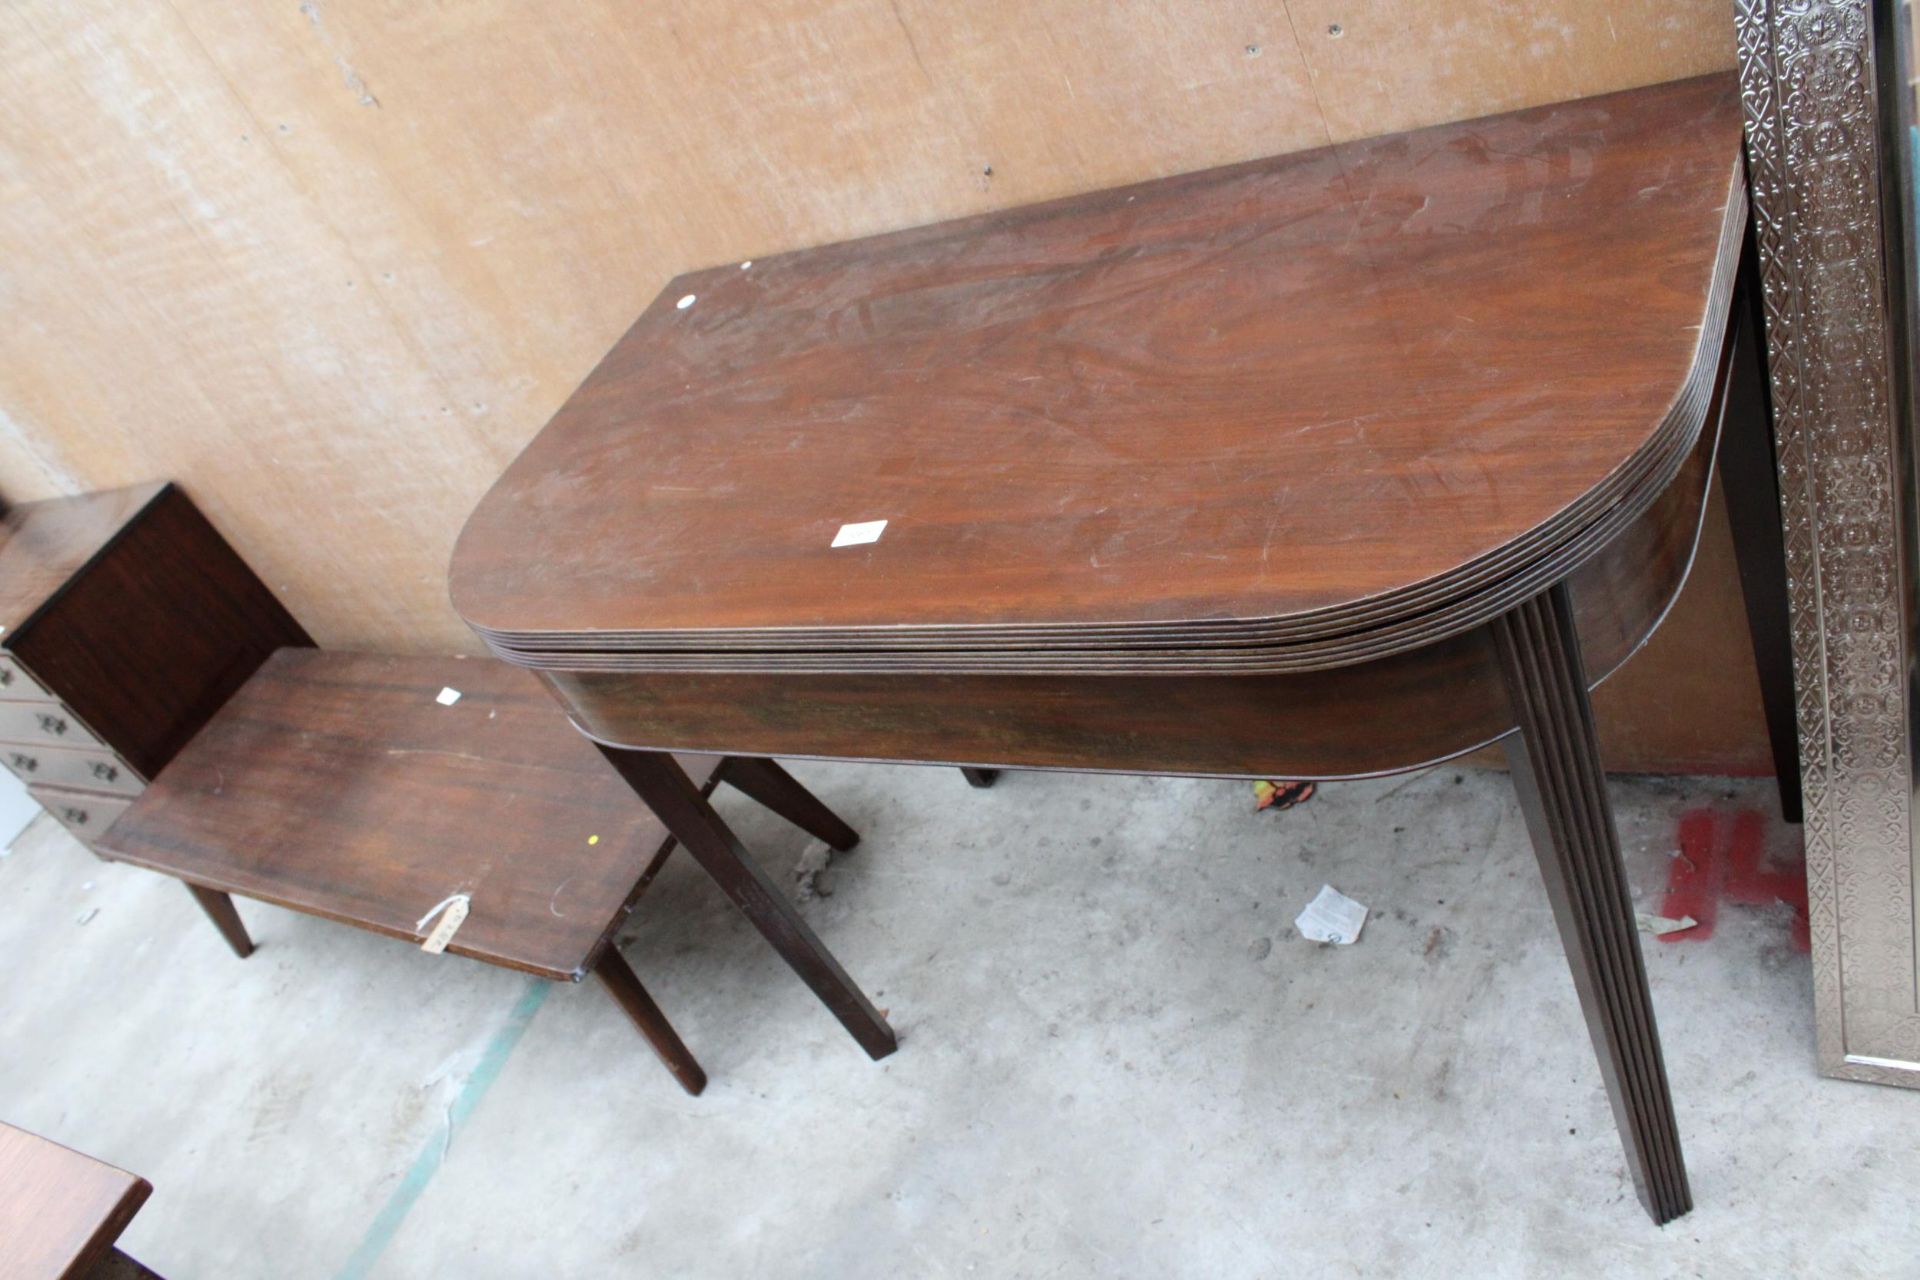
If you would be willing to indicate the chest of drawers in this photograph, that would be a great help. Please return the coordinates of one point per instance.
(125, 621)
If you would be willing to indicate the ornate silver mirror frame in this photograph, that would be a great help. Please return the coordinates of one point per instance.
(1828, 112)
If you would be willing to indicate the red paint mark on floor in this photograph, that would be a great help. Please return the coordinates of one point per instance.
(1720, 859)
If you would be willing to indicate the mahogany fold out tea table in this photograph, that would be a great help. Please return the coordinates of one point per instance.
(1329, 465)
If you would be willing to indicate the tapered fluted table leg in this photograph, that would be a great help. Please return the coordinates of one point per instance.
(1556, 769)
(660, 781)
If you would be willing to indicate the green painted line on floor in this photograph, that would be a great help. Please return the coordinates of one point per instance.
(386, 1224)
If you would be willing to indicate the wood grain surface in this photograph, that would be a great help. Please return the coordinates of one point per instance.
(338, 785)
(1296, 395)
(162, 626)
(1413, 707)
(43, 545)
(1627, 542)
(1410, 704)
(60, 1211)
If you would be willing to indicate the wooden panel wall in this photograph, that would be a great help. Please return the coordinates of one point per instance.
(332, 263)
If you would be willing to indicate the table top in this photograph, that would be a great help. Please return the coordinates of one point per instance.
(338, 785)
(44, 544)
(60, 1211)
(1305, 394)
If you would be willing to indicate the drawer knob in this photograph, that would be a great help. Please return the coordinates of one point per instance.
(78, 817)
(104, 771)
(24, 762)
(52, 724)
(6, 676)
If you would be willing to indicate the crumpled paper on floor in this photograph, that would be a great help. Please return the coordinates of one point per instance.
(1659, 925)
(1332, 917)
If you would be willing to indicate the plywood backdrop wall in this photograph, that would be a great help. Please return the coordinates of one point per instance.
(331, 264)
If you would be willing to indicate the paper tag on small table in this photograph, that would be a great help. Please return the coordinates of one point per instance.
(447, 697)
(852, 535)
(449, 923)
(1331, 917)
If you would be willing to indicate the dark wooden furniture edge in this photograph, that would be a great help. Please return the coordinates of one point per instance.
(161, 488)
(103, 1241)
(1750, 479)
(100, 1241)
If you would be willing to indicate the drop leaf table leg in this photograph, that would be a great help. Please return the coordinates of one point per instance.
(1556, 769)
(660, 781)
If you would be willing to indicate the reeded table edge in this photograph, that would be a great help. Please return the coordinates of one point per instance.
(1316, 634)
(1412, 624)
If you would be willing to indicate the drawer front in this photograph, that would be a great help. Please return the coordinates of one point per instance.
(85, 813)
(45, 724)
(18, 686)
(61, 767)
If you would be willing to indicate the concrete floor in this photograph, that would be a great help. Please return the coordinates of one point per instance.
(1117, 1059)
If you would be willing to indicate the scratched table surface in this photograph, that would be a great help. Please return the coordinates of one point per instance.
(341, 785)
(1285, 399)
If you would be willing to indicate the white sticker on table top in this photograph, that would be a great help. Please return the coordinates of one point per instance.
(450, 920)
(447, 697)
(852, 535)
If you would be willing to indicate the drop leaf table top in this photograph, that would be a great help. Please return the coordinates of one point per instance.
(1256, 406)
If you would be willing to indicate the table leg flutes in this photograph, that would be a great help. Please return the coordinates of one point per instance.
(1555, 759)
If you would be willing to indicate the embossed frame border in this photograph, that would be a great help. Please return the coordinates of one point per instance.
(1824, 91)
